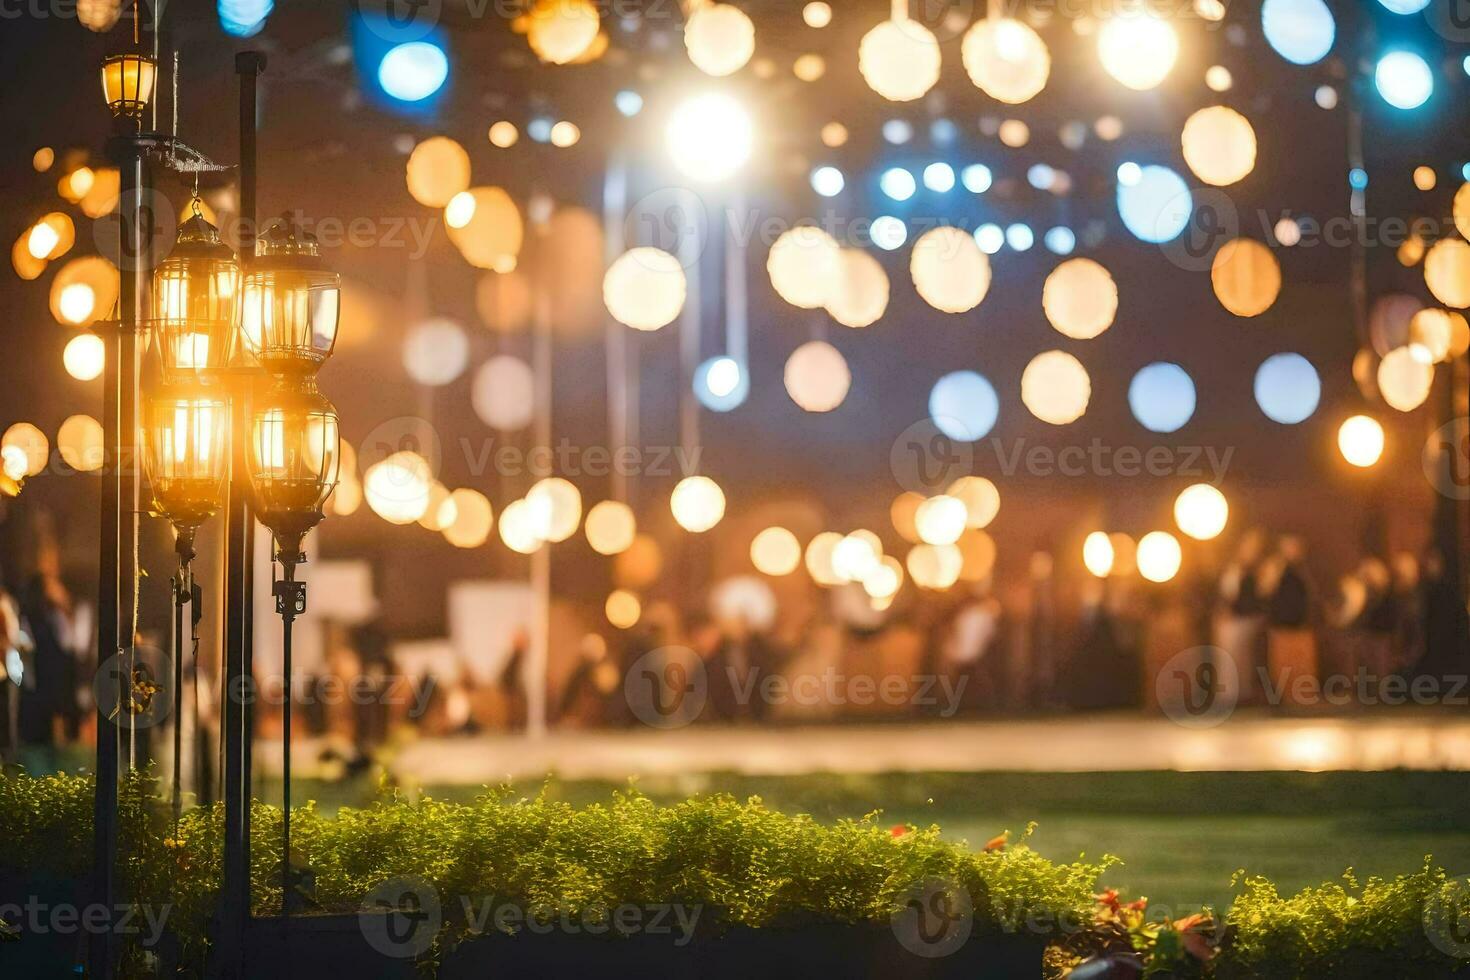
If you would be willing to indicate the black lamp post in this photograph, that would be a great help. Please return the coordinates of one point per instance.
(128, 84)
(290, 305)
(284, 307)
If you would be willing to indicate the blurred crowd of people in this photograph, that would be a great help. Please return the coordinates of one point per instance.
(1028, 644)
(48, 637)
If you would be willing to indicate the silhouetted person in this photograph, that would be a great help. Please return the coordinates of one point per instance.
(1291, 645)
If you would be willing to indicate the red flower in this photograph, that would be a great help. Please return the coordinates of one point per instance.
(898, 830)
(1191, 930)
(997, 843)
(1109, 900)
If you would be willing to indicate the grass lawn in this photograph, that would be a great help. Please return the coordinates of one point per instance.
(1181, 835)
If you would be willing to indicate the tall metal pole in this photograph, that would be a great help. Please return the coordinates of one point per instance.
(109, 578)
(239, 573)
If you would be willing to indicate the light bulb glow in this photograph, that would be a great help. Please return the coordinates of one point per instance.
(1138, 49)
(1097, 554)
(710, 137)
(1201, 511)
(1360, 440)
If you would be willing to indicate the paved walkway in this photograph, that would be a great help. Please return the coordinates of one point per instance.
(1413, 740)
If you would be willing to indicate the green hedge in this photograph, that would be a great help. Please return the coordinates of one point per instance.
(740, 861)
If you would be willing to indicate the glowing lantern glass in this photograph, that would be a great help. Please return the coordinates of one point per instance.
(291, 304)
(186, 433)
(292, 461)
(128, 81)
(195, 292)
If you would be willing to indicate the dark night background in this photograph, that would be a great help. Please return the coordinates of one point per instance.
(330, 147)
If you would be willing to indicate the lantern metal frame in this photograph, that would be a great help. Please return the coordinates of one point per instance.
(195, 303)
(187, 456)
(292, 457)
(123, 83)
(286, 299)
(189, 487)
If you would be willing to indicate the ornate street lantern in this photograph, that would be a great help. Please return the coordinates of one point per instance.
(186, 432)
(128, 82)
(292, 462)
(195, 301)
(290, 305)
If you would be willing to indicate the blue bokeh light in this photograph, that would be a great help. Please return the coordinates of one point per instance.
(897, 183)
(629, 102)
(1301, 31)
(1060, 240)
(888, 232)
(1403, 79)
(721, 384)
(1041, 176)
(1287, 388)
(898, 131)
(939, 177)
(244, 18)
(964, 406)
(1161, 396)
(828, 181)
(414, 71)
(990, 237)
(1358, 179)
(976, 178)
(1404, 6)
(1157, 207)
(1020, 237)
